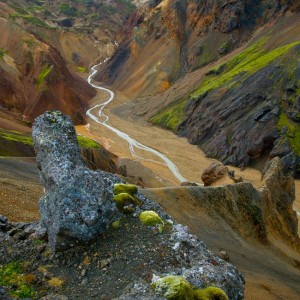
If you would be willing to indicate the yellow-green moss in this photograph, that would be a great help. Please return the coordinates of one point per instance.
(116, 225)
(12, 277)
(16, 136)
(210, 293)
(170, 117)
(86, 142)
(55, 282)
(43, 74)
(150, 218)
(293, 133)
(81, 69)
(125, 202)
(245, 64)
(130, 189)
(174, 288)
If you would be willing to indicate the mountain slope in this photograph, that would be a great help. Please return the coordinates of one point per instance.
(44, 48)
(239, 109)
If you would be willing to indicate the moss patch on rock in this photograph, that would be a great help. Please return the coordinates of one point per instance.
(178, 288)
(150, 218)
(125, 202)
(125, 197)
(174, 288)
(130, 189)
(210, 293)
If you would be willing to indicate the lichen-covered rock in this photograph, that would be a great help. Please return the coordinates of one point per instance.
(77, 204)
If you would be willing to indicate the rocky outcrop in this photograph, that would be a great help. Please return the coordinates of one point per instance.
(213, 173)
(77, 205)
(99, 158)
(278, 195)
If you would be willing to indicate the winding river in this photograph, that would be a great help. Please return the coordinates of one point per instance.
(96, 113)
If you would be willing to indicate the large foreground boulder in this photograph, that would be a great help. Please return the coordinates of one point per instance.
(77, 204)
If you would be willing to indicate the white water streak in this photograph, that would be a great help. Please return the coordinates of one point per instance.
(132, 143)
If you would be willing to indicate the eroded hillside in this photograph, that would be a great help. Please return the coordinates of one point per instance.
(223, 74)
(44, 48)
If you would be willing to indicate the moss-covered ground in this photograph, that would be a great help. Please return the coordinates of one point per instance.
(18, 283)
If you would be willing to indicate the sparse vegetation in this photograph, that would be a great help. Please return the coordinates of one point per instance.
(16, 136)
(2, 53)
(55, 282)
(68, 10)
(43, 74)
(12, 277)
(293, 132)
(86, 142)
(32, 19)
(171, 116)
(81, 69)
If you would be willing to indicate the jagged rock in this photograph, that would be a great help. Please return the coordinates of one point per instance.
(3, 223)
(77, 204)
(213, 173)
(99, 158)
(278, 195)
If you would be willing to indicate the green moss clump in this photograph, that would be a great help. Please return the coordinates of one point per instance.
(174, 288)
(210, 293)
(130, 189)
(116, 224)
(150, 218)
(87, 143)
(125, 202)
(125, 197)
(11, 277)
